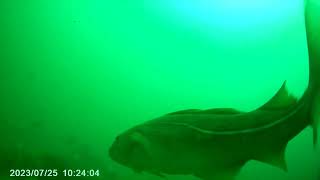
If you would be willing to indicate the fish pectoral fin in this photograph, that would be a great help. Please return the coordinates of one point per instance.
(281, 99)
(138, 171)
(274, 157)
(139, 139)
(222, 174)
(140, 148)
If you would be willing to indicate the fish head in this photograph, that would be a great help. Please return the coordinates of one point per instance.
(129, 149)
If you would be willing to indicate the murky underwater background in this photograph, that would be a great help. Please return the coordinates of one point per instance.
(74, 74)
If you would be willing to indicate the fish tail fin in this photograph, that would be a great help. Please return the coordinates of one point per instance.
(312, 24)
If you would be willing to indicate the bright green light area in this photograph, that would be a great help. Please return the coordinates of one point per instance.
(231, 13)
(259, 17)
(191, 54)
(204, 48)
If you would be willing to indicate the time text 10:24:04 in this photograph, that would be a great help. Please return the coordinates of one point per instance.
(54, 172)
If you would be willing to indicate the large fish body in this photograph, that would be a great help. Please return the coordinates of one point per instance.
(216, 143)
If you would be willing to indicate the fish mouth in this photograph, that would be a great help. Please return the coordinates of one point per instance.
(116, 155)
(110, 152)
(113, 153)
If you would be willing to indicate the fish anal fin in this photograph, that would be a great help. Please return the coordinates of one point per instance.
(217, 176)
(274, 157)
(228, 173)
(281, 99)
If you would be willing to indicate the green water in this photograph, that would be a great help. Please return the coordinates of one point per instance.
(74, 74)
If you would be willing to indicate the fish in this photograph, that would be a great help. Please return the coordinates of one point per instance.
(215, 144)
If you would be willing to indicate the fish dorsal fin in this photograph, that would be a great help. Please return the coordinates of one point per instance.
(281, 99)
(208, 111)
(221, 111)
(185, 111)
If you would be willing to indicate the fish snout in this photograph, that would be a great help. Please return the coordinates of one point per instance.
(113, 150)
